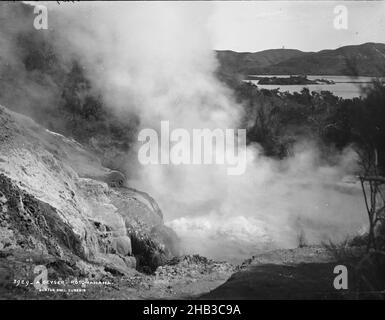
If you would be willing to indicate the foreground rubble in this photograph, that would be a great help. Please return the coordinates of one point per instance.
(185, 277)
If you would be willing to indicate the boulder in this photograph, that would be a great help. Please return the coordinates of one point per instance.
(130, 262)
(122, 245)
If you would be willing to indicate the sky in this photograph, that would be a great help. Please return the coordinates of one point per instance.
(306, 25)
(249, 26)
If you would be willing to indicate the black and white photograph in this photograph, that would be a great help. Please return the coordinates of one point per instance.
(195, 151)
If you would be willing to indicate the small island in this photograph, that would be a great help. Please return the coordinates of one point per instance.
(291, 80)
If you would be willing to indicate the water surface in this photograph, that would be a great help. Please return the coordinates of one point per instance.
(345, 87)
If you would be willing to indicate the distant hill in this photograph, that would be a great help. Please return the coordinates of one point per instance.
(246, 62)
(361, 60)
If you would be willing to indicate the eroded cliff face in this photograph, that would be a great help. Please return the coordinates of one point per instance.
(60, 204)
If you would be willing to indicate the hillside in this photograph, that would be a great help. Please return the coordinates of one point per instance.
(359, 60)
(251, 63)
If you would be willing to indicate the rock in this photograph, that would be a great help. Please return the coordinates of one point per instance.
(115, 179)
(3, 198)
(130, 262)
(115, 264)
(122, 245)
(168, 238)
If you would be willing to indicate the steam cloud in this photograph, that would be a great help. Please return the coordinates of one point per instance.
(157, 60)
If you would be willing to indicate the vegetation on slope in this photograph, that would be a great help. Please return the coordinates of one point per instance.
(367, 59)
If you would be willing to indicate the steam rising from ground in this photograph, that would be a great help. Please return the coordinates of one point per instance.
(156, 60)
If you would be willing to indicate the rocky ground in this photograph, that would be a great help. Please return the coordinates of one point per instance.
(301, 273)
(185, 277)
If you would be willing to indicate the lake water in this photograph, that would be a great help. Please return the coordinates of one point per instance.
(345, 87)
